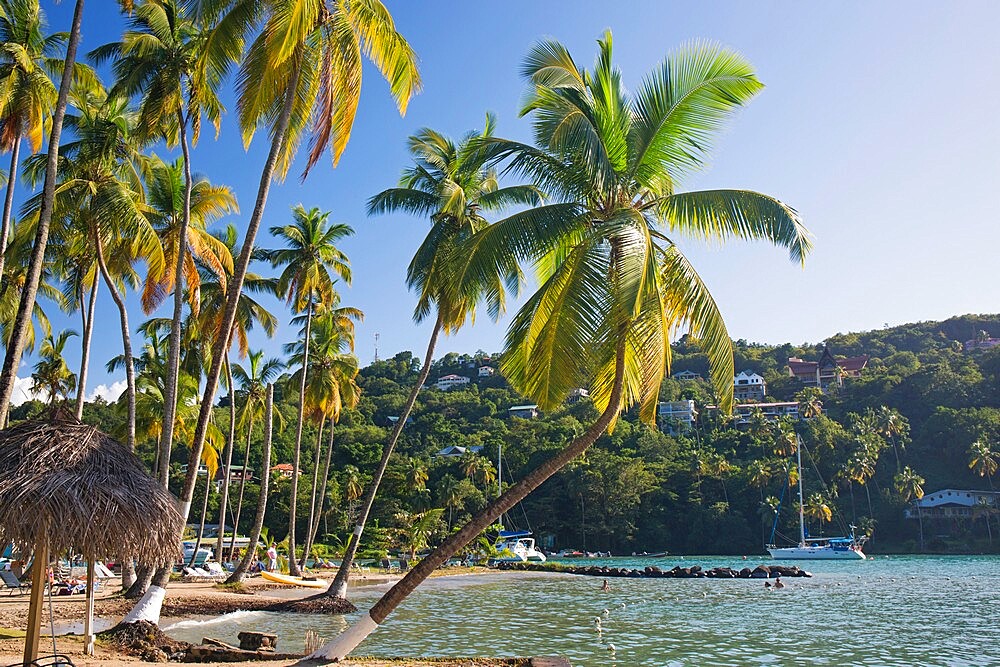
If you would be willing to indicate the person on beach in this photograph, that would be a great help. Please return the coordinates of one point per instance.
(605, 586)
(272, 557)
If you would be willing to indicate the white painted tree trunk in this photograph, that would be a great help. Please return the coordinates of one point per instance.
(339, 648)
(148, 608)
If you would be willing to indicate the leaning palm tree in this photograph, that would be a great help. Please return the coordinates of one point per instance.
(33, 274)
(15, 276)
(614, 284)
(450, 184)
(27, 55)
(298, 76)
(983, 460)
(909, 485)
(174, 64)
(51, 374)
(312, 262)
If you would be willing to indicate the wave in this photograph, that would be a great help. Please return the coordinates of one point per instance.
(232, 617)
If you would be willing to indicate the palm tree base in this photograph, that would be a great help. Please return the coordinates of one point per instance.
(316, 604)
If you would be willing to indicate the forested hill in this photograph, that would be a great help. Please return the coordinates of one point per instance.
(921, 403)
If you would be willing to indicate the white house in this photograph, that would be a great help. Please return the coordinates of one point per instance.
(486, 371)
(577, 394)
(952, 503)
(686, 375)
(451, 381)
(456, 451)
(743, 412)
(675, 415)
(749, 386)
(523, 411)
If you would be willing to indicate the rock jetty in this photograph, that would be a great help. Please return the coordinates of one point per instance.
(654, 572)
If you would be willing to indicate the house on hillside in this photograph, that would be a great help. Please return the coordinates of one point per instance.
(523, 411)
(284, 470)
(829, 370)
(676, 416)
(686, 375)
(486, 371)
(953, 504)
(743, 412)
(577, 395)
(456, 451)
(748, 386)
(981, 344)
(450, 382)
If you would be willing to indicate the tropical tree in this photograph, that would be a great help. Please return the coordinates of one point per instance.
(909, 486)
(77, 266)
(174, 64)
(417, 529)
(451, 184)
(312, 262)
(27, 56)
(14, 279)
(299, 75)
(33, 274)
(816, 507)
(51, 374)
(614, 285)
(983, 460)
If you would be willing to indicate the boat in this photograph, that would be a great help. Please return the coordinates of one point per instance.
(817, 548)
(517, 546)
(645, 554)
(289, 580)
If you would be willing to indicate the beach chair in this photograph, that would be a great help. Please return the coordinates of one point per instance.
(12, 583)
(215, 570)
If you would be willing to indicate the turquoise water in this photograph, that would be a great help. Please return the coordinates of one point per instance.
(888, 611)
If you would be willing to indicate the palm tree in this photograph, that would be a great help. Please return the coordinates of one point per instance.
(909, 486)
(52, 375)
(299, 75)
(33, 274)
(816, 507)
(175, 65)
(893, 427)
(77, 266)
(613, 284)
(254, 381)
(309, 257)
(27, 56)
(417, 529)
(451, 184)
(983, 460)
(15, 276)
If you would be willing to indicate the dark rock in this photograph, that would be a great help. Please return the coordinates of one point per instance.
(745, 573)
(760, 572)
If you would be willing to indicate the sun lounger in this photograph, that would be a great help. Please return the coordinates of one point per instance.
(215, 570)
(12, 583)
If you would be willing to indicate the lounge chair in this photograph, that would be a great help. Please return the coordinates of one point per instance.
(13, 583)
(215, 570)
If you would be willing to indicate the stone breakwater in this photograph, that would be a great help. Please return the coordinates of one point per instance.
(654, 572)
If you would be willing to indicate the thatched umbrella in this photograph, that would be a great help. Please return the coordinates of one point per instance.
(65, 485)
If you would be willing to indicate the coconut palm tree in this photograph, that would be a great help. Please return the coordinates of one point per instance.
(816, 507)
(77, 266)
(298, 76)
(450, 184)
(614, 284)
(174, 64)
(51, 373)
(309, 257)
(33, 274)
(983, 460)
(15, 277)
(909, 485)
(417, 529)
(27, 56)
(893, 427)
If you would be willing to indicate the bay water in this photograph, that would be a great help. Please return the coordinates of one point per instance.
(899, 610)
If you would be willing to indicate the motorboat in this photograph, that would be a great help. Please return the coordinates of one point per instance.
(517, 546)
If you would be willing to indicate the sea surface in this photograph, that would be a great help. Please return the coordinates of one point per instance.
(899, 610)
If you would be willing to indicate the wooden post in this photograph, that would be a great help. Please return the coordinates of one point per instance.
(39, 571)
(88, 624)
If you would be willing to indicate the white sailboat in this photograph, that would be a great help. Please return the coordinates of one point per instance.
(514, 546)
(818, 548)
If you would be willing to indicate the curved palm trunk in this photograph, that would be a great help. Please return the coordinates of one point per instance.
(88, 330)
(201, 526)
(240, 572)
(339, 586)
(8, 202)
(314, 528)
(239, 500)
(340, 647)
(293, 565)
(126, 339)
(312, 500)
(236, 286)
(174, 354)
(226, 471)
(19, 332)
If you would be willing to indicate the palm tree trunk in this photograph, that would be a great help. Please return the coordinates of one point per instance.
(340, 647)
(293, 565)
(88, 329)
(126, 339)
(265, 475)
(338, 588)
(8, 202)
(227, 470)
(239, 501)
(26, 306)
(174, 354)
(236, 286)
(312, 501)
(314, 529)
(201, 526)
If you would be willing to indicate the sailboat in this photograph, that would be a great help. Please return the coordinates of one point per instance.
(817, 548)
(515, 546)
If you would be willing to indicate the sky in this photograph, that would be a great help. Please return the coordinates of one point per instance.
(877, 123)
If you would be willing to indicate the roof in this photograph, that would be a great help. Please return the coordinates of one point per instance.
(959, 497)
(74, 487)
(452, 377)
(523, 407)
(801, 367)
(283, 466)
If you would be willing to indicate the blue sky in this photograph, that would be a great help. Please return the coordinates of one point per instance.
(878, 123)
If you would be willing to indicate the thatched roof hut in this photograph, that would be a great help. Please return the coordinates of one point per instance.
(67, 485)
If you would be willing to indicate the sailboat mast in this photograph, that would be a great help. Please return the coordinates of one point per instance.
(802, 516)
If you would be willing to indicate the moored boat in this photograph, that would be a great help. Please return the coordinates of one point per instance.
(517, 546)
(289, 580)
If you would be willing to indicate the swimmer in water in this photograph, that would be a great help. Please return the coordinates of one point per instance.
(767, 584)
(777, 583)
(605, 586)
